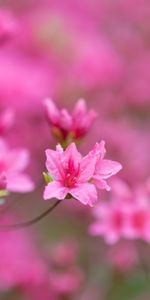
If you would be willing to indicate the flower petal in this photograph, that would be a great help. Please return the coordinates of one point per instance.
(107, 168)
(101, 183)
(82, 119)
(80, 109)
(65, 120)
(52, 112)
(55, 190)
(18, 160)
(53, 164)
(112, 237)
(99, 150)
(71, 156)
(97, 228)
(87, 168)
(19, 183)
(86, 193)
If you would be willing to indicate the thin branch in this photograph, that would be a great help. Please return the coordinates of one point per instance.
(10, 227)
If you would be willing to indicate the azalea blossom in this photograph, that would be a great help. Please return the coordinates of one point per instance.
(72, 174)
(12, 166)
(125, 215)
(66, 126)
(109, 222)
(20, 262)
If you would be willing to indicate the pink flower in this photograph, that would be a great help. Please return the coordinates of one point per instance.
(12, 164)
(76, 176)
(70, 174)
(109, 222)
(104, 168)
(20, 262)
(138, 225)
(125, 215)
(137, 207)
(6, 120)
(66, 126)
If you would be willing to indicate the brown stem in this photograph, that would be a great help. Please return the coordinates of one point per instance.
(10, 227)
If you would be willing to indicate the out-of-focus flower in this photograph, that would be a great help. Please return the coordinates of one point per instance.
(70, 174)
(64, 254)
(123, 256)
(109, 221)
(68, 282)
(136, 166)
(8, 26)
(6, 120)
(66, 127)
(28, 80)
(138, 220)
(21, 266)
(12, 163)
(66, 277)
(96, 63)
(126, 215)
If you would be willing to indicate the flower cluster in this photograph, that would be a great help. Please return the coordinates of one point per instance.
(125, 215)
(66, 127)
(70, 174)
(67, 50)
(24, 269)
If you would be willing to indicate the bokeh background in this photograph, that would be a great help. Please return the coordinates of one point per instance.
(98, 50)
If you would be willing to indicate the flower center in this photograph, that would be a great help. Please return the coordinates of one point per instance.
(70, 180)
(71, 175)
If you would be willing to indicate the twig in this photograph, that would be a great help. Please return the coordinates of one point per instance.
(10, 227)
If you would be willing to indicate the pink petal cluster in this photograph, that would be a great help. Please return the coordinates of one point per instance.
(69, 126)
(21, 265)
(12, 166)
(72, 174)
(125, 215)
